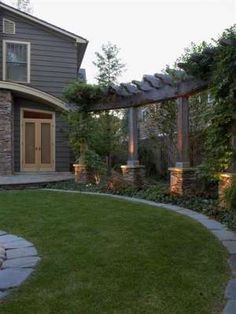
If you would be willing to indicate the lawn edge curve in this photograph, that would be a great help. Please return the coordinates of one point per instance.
(221, 232)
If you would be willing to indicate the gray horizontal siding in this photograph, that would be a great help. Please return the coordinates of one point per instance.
(63, 151)
(53, 56)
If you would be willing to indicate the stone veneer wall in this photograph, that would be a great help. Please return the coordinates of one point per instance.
(182, 181)
(6, 133)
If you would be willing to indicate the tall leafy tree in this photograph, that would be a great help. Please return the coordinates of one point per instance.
(24, 5)
(109, 64)
(109, 67)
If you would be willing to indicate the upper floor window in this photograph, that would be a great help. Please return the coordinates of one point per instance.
(16, 61)
(8, 27)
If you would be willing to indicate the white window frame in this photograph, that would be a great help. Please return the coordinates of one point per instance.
(4, 59)
(3, 26)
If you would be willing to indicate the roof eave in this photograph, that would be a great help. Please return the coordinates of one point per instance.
(77, 38)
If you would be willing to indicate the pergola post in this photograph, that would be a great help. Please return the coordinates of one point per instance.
(182, 176)
(227, 179)
(133, 171)
(133, 137)
(183, 160)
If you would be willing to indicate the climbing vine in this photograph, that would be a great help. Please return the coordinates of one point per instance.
(216, 63)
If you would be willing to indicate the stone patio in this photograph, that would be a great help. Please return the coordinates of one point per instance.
(18, 259)
(22, 180)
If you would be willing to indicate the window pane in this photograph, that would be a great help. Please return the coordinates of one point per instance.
(16, 53)
(45, 143)
(16, 62)
(29, 143)
(16, 72)
(37, 115)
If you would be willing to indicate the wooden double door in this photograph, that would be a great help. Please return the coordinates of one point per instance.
(38, 141)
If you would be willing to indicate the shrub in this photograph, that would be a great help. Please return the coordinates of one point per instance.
(116, 184)
(95, 167)
(230, 197)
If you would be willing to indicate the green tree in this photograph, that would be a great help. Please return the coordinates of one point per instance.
(109, 67)
(217, 63)
(24, 5)
(160, 126)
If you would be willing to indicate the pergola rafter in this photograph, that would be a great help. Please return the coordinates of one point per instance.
(152, 89)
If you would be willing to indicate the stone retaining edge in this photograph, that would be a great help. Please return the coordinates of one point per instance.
(222, 233)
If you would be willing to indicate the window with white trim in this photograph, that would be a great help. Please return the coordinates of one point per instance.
(16, 61)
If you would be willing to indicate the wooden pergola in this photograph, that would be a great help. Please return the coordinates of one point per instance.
(159, 88)
(155, 89)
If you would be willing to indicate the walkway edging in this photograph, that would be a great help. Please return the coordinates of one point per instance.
(19, 260)
(222, 233)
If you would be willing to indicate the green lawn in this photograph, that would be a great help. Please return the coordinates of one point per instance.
(101, 255)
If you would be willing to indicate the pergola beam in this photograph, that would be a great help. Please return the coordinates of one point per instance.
(152, 89)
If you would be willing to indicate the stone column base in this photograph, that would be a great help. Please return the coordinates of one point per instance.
(183, 181)
(134, 174)
(6, 133)
(81, 174)
(225, 182)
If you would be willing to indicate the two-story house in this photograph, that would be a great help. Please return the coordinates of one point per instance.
(37, 61)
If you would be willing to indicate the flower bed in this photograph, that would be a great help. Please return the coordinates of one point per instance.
(157, 192)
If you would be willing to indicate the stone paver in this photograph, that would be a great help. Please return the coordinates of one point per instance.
(21, 262)
(230, 246)
(211, 224)
(21, 243)
(18, 263)
(230, 291)
(21, 252)
(230, 307)
(232, 263)
(2, 232)
(224, 235)
(23, 179)
(9, 238)
(11, 278)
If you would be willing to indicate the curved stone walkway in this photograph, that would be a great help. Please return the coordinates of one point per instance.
(225, 236)
(18, 257)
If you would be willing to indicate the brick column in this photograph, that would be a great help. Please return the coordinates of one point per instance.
(6, 133)
(81, 175)
(182, 181)
(80, 169)
(182, 176)
(133, 172)
(226, 181)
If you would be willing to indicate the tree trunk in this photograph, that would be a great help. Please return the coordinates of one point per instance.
(109, 164)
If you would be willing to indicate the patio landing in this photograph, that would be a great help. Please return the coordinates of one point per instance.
(33, 180)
